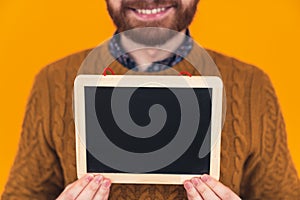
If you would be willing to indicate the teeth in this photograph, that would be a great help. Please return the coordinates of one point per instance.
(152, 11)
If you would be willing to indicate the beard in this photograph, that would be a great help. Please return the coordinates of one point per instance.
(161, 30)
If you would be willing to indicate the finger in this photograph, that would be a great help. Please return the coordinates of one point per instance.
(204, 190)
(218, 188)
(91, 189)
(192, 193)
(103, 191)
(74, 189)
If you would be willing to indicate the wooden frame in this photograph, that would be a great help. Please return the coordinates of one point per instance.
(148, 81)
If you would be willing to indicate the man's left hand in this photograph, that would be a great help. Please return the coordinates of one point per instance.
(208, 188)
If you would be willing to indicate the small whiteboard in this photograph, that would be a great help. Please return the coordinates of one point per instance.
(143, 129)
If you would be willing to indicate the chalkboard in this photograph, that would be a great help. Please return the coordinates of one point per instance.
(103, 124)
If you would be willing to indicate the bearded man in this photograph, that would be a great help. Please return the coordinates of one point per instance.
(255, 161)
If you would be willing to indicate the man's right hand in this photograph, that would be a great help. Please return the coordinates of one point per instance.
(89, 187)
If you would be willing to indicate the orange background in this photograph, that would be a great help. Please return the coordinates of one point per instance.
(35, 33)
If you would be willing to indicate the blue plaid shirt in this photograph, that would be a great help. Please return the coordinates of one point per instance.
(122, 57)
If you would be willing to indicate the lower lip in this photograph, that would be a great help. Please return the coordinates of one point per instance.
(149, 17)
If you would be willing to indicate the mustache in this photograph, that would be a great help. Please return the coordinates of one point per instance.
(149, 4)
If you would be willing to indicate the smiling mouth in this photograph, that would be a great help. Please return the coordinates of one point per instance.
(151, 13)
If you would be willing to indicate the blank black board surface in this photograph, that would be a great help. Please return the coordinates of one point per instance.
(98, 100)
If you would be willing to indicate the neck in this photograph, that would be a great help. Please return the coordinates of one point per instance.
(144, 56)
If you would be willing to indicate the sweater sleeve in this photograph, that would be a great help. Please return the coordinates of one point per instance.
(269, 171)
(36, 172)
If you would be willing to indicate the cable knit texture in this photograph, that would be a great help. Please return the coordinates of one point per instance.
(255, 160)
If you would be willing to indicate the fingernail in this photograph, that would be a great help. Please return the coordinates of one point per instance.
(98, 179)
(195, 181)
(188, 185)
(205, 177)
(107, 183)
(89, 177)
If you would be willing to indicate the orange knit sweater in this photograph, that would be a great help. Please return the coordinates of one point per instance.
(255, 160)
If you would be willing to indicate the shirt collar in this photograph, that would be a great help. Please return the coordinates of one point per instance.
(122, 57)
